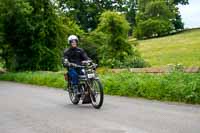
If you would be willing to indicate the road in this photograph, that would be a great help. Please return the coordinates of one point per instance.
(33, 109)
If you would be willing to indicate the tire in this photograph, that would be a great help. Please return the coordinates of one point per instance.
(75, 100)
(96, 86)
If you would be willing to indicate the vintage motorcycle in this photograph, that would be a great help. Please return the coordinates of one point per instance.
(90, 87)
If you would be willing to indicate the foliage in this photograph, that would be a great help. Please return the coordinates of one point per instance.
(158, 9)
(158, 18)
(14, 17)
(87, 12)
(154, 21)
(116, 50)
(179, 87)
(35, 35)
(176, 86)
(177, 21)
(183, 2)
(116, 29)
(92, 43)
(153, 28)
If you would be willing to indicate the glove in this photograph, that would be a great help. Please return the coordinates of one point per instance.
(66, 62)
(73, 65)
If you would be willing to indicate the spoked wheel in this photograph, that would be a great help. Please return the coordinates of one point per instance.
(96, 93)
(74, 99)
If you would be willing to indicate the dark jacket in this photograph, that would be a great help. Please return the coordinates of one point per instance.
(75, 55)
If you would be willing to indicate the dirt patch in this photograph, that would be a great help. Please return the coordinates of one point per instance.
(156, 70)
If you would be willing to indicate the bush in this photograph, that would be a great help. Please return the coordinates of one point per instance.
(115, 27)
(116, 51)
(175, 86)
(129, 62)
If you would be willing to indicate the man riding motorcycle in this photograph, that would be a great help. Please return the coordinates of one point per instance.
(73, 57)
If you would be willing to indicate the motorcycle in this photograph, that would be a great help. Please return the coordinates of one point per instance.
(90, 87)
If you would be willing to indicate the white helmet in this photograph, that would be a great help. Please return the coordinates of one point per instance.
(72, 37)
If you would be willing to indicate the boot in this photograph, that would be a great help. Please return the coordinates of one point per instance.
(75, 89)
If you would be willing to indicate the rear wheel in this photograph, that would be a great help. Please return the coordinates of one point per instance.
(96, 93)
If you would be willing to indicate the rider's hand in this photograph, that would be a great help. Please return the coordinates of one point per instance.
(82, 62)
(75, 65)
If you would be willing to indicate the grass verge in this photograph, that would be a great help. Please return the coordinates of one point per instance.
(50, 79)
(179, 87)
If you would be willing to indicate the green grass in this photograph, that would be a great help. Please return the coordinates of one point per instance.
(182, 48)
(181, 87)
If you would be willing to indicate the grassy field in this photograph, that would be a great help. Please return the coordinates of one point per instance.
(182, 48)
(180, 87)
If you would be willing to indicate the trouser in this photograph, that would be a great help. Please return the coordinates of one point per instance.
(73, 74)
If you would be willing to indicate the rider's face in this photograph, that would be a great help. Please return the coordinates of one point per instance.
(74, 43)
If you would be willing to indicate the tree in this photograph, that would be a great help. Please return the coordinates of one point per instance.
(142, 4)
(34, 35)
(116, 28)
(130, 12)
(116, 50)
(154, 21)
(172, 5)
(87, 12)
(177, 21)
(1, 31)
(14, 17)
(183, 2)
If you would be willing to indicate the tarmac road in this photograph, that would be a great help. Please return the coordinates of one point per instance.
(33, 109)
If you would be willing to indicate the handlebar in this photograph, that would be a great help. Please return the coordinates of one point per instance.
(79, 66)
(84, 64)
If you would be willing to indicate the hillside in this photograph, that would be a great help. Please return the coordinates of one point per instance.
(182, 48)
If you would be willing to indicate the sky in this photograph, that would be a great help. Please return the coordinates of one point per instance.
(191, 14)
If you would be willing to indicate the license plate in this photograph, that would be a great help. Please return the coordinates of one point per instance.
(91, 75)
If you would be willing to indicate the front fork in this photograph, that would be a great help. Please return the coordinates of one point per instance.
(84, 86)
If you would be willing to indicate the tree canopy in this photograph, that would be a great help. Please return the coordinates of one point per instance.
(87, 12)
(158, 18)
(33, 33)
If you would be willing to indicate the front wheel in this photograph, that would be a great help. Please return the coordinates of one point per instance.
(96, 93)
(74, 99)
